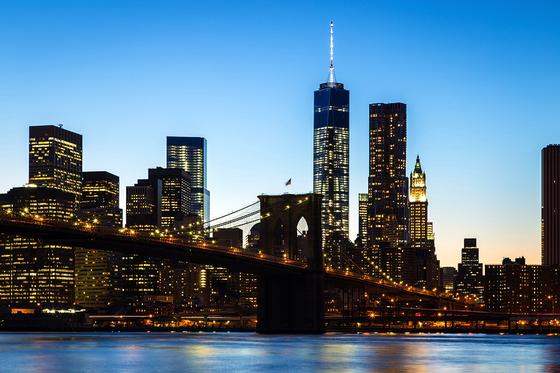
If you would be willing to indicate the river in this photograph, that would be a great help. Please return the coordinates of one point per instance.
(232, 352)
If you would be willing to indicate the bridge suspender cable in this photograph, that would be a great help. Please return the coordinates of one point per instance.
(231, 213)
(234, 220)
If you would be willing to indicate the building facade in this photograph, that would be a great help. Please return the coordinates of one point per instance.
(156, 204)
(331, 157)
(514, 286)
(550, 209)
(189, 154)
(470, 281)
(420, 263)
(388, 225)
(96, 271)
(55, 159)
(34, 273)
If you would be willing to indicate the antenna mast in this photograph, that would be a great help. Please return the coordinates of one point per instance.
(332, 78)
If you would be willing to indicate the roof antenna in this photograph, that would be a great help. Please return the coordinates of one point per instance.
(332, 78)
(60, 125)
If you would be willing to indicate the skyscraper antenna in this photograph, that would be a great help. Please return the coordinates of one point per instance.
(332, 79)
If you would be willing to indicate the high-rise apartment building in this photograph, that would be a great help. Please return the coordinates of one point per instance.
(514, 286)
(387, 189)
(550, 209)
(331, 161)
(189, 154)
(469, 280)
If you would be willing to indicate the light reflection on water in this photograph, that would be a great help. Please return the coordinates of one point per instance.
(161, 352)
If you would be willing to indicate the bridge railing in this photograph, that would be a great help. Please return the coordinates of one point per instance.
(172, 237)
(392, 284)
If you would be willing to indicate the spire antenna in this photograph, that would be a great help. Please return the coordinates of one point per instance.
(332, 78)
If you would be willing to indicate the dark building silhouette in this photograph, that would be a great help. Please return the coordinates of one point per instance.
(550, 213)
(331, 162)
(387, 190)
(447, 278)
(469, 280)
(189, 154)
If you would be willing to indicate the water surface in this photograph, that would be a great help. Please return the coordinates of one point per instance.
(231, 352)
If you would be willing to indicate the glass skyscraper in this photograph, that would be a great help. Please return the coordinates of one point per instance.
(189, 154)
(331, 161)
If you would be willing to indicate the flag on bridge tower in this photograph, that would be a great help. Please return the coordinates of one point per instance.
(289, 182)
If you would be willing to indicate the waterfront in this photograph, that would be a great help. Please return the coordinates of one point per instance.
(192, 352)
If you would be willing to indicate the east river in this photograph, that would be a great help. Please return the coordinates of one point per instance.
(247, 352)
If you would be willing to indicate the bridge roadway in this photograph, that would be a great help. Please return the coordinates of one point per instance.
(128, 241)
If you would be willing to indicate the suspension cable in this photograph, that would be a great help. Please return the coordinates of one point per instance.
(231, 213)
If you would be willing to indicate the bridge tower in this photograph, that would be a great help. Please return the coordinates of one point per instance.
(291, 303)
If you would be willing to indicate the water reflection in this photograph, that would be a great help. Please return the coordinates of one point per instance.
(158, 352)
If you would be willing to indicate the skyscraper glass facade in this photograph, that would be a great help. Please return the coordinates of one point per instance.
(331, 165)
(189, 154)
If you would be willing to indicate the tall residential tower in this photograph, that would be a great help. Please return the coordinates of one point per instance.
(550, 213)
(387, 189)
(331, 160)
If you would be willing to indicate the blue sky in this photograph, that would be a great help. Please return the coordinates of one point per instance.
(480, 80)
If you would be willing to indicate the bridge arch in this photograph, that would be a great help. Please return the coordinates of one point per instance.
(281, 216)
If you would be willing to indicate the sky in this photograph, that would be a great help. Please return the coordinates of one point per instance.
(480, 80)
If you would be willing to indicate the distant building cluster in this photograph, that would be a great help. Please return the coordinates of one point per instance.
(395, 237)
(36, 274)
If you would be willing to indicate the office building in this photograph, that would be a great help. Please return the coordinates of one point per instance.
(55, 159)
(362, 218)
(189, 154)
(447, 277)
(331, 161)
(420, 265)
(96, 270)
(161, 201)
(469, 281)
(388, 226)
(156, 204)
(550, 209)
(34, 273)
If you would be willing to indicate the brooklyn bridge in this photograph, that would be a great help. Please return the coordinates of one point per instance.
(292, 283)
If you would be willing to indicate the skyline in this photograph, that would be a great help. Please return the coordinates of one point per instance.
(518, 235)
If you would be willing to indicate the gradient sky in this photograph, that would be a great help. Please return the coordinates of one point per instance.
(480, 79)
